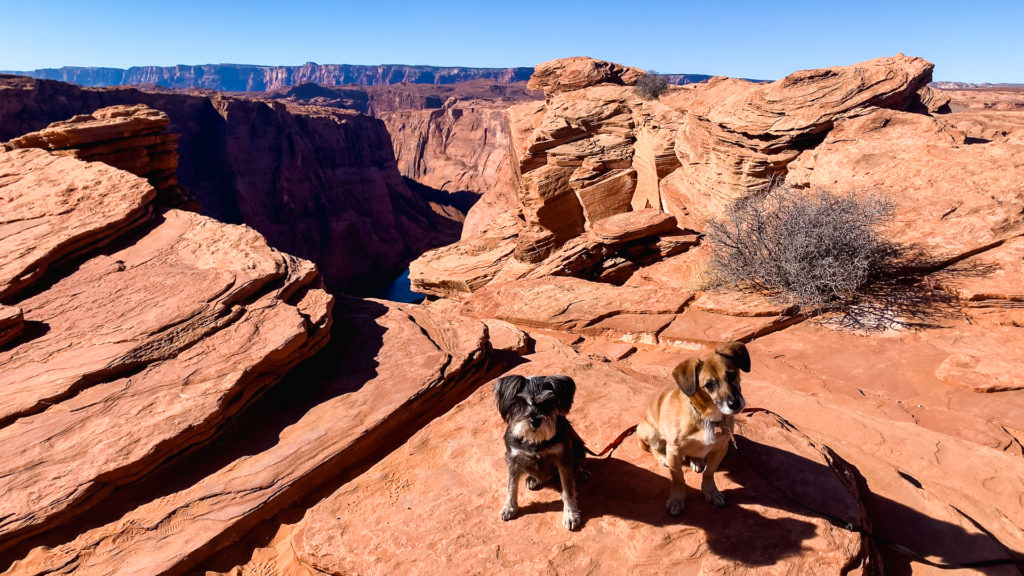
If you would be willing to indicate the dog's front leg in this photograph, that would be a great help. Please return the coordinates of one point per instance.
(511, 507)
(676, 503)
(570, 512)
(707, 485)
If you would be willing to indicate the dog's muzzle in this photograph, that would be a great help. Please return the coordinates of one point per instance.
(735, 404)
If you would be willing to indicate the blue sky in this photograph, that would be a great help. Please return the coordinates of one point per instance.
(968, 41)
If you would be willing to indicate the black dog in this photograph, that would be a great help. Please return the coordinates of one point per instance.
(539, 440)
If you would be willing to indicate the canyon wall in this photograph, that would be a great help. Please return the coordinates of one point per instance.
(318, 182)
(454, 141)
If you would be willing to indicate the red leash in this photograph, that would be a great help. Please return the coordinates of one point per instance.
(629, 432)
(611, 447)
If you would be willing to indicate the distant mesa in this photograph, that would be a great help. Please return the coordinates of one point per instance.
(256, 78)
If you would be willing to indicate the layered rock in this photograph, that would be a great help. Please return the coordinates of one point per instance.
(321, 183)
(53, 212)
(737, 136)
(952, 197)
(131, 138)
(461, 149)
(390, 370)
(140, 354)
(568, 74)
(12, 324)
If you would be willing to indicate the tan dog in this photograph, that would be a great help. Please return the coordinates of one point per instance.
(691, 423)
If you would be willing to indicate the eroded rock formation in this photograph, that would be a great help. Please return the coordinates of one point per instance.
(131, 138)
(137, 354)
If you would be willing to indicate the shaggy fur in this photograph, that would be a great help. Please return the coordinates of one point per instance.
(539, 440)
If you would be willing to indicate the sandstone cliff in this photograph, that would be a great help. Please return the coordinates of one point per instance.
(317, 182)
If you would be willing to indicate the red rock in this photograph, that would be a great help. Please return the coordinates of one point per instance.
(951, 198)
(634, 328)
(460, 269)
(12, 323)
(567, 74)
(462, 146)
(626, 529)
(373, 391)
(131, 138)
(569, 304)
(612, 351)
(697, 329)
(505, 336)
(996, 274)
(320, 183)
(980, 374)
(632, 226)
(933, 101)
(740, 304)
(607, 195)
(737, 136)
(52, 212)
(194, 309)
(943, 468)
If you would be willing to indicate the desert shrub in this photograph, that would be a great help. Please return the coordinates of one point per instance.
(650, 85)
(813, 248)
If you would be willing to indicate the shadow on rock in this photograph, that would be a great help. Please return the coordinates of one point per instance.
(737, 531)
(909, 302)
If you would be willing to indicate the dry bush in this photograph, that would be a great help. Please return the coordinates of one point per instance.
(813, 248)
(650, 85)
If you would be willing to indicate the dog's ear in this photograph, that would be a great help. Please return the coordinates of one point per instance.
(686, 374)
(505, 390)
(565, 390)
(737, 353)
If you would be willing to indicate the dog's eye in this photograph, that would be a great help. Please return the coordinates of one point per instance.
(711, 385)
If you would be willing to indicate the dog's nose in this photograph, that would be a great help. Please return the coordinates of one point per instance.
(735, 403)
(535, 422)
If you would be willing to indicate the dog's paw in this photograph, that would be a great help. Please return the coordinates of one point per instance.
(571, 519)
(582, 475)
(532, 483)
(675, 505)
(508, 512)
(714, 497)
(698, 464)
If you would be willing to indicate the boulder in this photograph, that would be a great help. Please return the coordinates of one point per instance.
(565, 74)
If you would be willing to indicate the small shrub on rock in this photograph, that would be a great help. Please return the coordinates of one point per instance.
(651, 85)
(813, 248)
